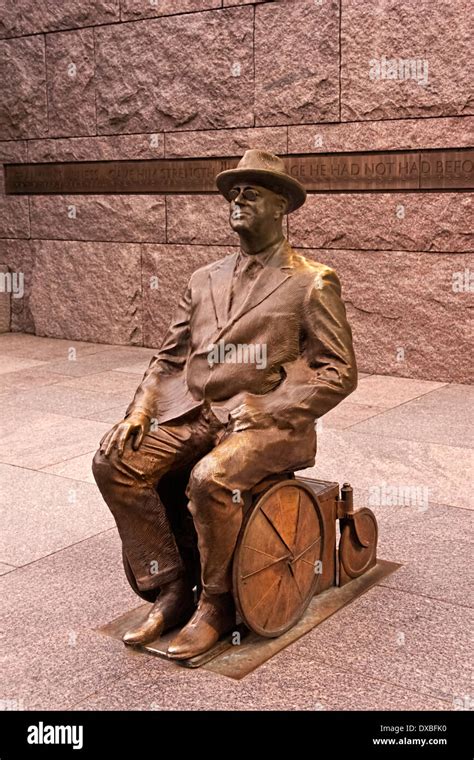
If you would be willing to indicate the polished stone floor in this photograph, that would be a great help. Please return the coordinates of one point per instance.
(406, 447)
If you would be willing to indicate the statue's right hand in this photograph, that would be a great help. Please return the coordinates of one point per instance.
(135, 426)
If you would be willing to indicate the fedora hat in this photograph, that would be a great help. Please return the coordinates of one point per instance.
(267, 170)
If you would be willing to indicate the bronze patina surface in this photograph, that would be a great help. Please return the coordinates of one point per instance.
(199, 475)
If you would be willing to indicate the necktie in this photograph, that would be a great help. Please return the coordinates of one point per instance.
(242, 283)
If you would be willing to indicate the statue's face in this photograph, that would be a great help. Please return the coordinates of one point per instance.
(253, 207)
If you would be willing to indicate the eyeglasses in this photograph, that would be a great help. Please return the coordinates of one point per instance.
(248, 194)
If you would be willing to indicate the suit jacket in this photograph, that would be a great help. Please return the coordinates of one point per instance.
(293, 308)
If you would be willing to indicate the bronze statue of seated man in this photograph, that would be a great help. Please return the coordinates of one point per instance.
(259, 349)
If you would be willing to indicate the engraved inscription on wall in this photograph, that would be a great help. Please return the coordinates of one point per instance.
(350, 172)
(385, 171)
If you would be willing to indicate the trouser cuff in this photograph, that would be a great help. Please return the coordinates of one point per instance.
(150, 582)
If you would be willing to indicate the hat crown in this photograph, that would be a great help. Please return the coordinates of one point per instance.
(260, 159)
(264, 169)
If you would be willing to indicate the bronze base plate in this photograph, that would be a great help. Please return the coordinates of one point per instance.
(237, 660)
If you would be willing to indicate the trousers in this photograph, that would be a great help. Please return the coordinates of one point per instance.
(225, 464)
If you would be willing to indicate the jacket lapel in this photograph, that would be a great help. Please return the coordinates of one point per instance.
(267, 281)
(221, 285)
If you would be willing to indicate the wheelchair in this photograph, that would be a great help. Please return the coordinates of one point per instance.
(286, 551)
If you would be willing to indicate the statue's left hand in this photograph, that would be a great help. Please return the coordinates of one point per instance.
(133, 427)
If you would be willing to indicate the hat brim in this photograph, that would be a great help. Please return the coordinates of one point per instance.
(293, 191)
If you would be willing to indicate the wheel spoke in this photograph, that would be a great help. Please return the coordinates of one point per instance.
(276, 531)
(306, 561)
(265, 567)
(259, 551)
(267, 592)
(295, 559)
(297, 530)
(289, 500)
(270, 611)
(294, 578)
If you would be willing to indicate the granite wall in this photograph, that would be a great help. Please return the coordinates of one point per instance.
(118, 79)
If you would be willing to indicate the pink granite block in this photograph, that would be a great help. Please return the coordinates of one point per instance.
(36, 439)
(25, 379)
(346, 414)
(16, 364)
(442, 416)
(386, 392)
(54, 399)
(296, 62)
(227, 3)
(131, 218)
(408, 314)
(395, 134)
(5, 299)
(153, 75)
(70, 83)
(378, 464)
(166, 271)
(11, 152)
(135, 9)
(419, 539)
(288, 681)
(201, 219)
(72, 515)
(50, 349)
(87, 291)
(107, 383)
(135, 369)
(23, 103)
(99, 361)
(225, 142)
(409, 641)
(385, 221)
(68, 595)
(4, 568)
(437, 38)
(113, 148)
(19, 255)
(30, 16)
(14, 216)
(76, 468)
(109, 415)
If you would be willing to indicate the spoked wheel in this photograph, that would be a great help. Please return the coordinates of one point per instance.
(276, 563)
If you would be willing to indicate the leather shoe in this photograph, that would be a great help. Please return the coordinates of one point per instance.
(175, 604)
(215, 615)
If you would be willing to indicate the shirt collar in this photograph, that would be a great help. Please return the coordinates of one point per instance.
(262, 258)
